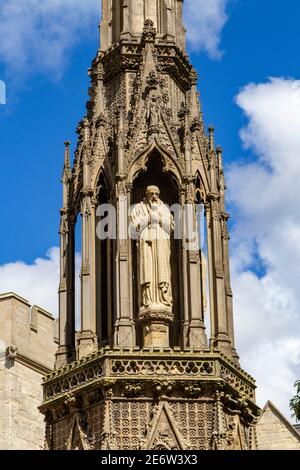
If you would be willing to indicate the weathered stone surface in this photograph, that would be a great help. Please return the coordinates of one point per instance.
(146, 376)
(130, 399)
(26, 354)
(274, 432)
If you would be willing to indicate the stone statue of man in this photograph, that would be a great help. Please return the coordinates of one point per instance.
(153, 222)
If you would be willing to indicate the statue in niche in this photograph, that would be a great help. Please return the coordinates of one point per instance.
(153, 109)
(153, 102)
(153, 224)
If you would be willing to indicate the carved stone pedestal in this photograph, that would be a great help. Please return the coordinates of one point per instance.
(64, 355)
(158, 399)
(87, 343)
(156, 320)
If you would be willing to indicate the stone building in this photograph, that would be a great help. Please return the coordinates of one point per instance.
(27, 349)
(274, 432)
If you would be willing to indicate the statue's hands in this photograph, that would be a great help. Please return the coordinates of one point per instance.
(164, 286)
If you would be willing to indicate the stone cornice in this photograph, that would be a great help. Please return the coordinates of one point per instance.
(128, 56)
(134, 364)
(31, 364)
(12, 295)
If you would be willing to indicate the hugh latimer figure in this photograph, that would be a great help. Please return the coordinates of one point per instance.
(154, 223)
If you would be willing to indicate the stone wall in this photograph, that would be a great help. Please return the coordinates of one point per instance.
(27, 349)
(274, 432)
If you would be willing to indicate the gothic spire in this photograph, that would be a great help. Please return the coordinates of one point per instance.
(124, 20)
(67, 163)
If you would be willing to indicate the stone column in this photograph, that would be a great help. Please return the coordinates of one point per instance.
(229, 295)
(125, 33)
(87, 339)
(184, 273)
(221, 340)
(105, 26)
(117, 11)
(124, 326)
(219, 311)
(180, 29)
(224, 217)
(196, 331)
(66, 348)
(210, 275)
(169, 20)
(150, 11)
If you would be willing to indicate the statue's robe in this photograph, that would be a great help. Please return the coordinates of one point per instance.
(154, 224)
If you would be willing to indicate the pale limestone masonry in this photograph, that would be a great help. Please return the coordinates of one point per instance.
(274, 432)
(27, 349)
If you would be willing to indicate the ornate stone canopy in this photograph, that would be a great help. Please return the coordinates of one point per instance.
(133, 377)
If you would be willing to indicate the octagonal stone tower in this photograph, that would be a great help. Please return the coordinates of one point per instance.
(140, 372)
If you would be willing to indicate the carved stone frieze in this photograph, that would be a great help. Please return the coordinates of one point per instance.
(135, 404)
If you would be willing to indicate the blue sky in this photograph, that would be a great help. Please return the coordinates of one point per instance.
(258, 130)
(260, 39)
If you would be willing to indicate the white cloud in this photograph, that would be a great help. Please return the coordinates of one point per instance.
(37, 35)
(37, 282)
(205, 20)
(265, 193)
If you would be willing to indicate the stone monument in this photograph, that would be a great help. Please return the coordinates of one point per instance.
(140, 372)
(153, 222)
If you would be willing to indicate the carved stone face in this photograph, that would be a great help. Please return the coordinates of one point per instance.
(153, 194)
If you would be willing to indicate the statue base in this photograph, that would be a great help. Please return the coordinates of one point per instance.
(156, 320)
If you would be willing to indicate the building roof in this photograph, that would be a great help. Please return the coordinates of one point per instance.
(297, 427)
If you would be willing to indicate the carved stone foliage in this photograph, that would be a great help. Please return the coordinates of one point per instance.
(238, 436)
(172, 61)
(133, 389)
(149, 31)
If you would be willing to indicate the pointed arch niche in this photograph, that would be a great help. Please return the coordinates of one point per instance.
(154, 173)
(200, 200)
(105, 299)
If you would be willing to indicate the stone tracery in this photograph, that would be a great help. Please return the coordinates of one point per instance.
(144, 127)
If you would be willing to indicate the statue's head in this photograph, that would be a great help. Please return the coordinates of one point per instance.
(153, 194)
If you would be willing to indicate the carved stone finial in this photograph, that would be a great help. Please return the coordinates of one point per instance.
(152, 80)
(149, 32)
(193, 77)
(211, 131)
(183, 111)
(196, 125)
(99, 72)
